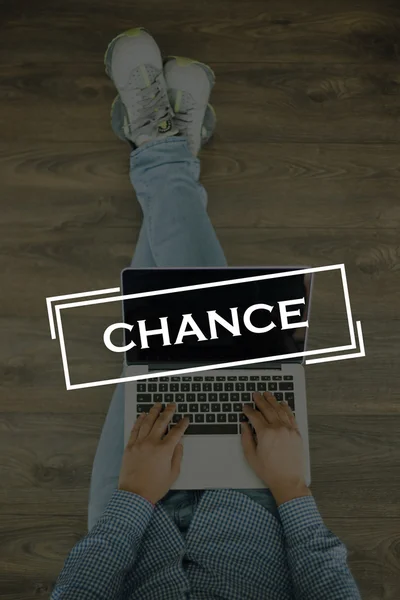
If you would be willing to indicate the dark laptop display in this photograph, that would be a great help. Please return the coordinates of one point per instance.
(227, 347)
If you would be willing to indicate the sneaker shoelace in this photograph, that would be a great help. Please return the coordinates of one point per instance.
(153, 100)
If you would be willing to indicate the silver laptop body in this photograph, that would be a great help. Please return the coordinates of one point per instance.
(217, 460)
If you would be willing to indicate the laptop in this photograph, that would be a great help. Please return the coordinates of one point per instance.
(213, 398)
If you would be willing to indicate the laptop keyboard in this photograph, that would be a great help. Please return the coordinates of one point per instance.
(213, 403)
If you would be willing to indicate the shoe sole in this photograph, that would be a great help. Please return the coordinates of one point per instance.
(185, 62)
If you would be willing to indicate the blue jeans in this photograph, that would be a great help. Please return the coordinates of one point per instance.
(176, 232)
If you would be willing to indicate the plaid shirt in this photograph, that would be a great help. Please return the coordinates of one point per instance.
(234, 549)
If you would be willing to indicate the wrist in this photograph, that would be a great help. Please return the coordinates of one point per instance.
(285, 492)
(137, 493)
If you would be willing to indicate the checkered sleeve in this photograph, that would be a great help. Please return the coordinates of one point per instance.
(96, 567)
(317, 559)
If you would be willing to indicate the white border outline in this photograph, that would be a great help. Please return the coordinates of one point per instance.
(60, 307)
(51, 299)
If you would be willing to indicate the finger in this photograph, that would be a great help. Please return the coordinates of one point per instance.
(176, 460)
(290, 416)
(248, 444)
(175, 435)
(135, 430)
(161, 424)
(276, 406)
(149, 421)
(266, 407)
(255, 418)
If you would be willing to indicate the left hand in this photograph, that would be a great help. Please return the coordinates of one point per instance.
(151, 462)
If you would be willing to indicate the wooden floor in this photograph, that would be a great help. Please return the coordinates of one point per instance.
(304, 169)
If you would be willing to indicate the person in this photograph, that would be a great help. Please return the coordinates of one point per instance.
(145, 540)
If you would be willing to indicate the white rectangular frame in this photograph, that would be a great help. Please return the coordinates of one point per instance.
(207, 367)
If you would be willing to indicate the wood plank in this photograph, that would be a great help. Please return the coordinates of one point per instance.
(289, 185)
(48, 459)
(33, 552)
(264, 32)
(276, 102)
(40, 263)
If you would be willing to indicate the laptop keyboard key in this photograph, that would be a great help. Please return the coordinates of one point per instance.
(196, 387)
(239, 387)
(237, 407)
(182, 408)
(169, 397)
(246, 397)
(174, 387)
(254, 377)
(251, 386)
(152, 387)
(216, 429)
(261, 386)
(232, 418)
(232, 377)
(234, 397)
(212, 397)
(163, 387)
(215, 407)
(202, 397)
(193, 408)
(210, 418)
(190, 397)
(277, 378)
(143, 398)
(288, 378)
(226, 407)
(207, 387)
(272, 387)
(266, 377)
(278, 396)
(221, 418)
(198, 419)
(204, 408)
(179, 397)
(243, 377)
(141, 387)
(224, 397)
(218, 387)
(157, 397)
(286, 385)
(140, 408)
(185, 387)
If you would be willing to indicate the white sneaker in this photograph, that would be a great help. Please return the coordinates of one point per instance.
(189, 84)
(133, 61)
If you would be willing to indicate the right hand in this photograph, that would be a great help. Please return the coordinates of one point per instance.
(277, 456)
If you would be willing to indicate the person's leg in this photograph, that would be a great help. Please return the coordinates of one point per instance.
(176, 232)
(176, 229)
(165, 176)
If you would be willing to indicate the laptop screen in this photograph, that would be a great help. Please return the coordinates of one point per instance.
(230, 302)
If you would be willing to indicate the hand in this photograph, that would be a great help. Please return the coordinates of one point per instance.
(151, 462)
(277, 457)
